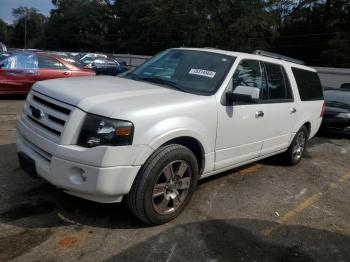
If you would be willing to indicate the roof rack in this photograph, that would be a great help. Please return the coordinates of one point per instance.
(277, 56)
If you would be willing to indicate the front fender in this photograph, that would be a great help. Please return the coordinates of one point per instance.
(175, 127)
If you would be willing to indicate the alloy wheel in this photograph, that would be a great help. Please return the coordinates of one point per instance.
(299, 145)
(172, 187)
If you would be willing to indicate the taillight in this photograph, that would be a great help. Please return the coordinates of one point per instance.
(323, 108)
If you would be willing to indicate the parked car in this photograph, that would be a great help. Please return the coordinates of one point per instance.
(337, 113)
(89, 57)
(184, 115)
(65, 56)
(21, 70)
(107, 66)
(345, 85)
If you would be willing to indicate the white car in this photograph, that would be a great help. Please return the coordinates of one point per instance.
(150, 135)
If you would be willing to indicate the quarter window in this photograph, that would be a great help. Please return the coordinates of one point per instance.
(309, 84)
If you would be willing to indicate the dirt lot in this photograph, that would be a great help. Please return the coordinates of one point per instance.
(262, 212)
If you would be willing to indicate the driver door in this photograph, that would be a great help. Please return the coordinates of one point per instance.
(241, 126)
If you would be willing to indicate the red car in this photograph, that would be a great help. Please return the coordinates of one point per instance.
(21, 70)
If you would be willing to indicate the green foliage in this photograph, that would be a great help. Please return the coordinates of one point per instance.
(28, 28)
(5, 32)
(317, 31)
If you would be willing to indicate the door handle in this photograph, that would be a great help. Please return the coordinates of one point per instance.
(259, 114)
(293, 110)
(66, 73)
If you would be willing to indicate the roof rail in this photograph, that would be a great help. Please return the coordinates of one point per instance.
(209, 47)
(277, 56)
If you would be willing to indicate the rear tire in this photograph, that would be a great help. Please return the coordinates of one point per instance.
(296, 149)
(164, 185)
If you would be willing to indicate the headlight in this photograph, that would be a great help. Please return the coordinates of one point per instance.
(343, 115)
(98, 131)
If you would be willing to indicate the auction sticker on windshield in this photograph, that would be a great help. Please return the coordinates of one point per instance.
(202, 72)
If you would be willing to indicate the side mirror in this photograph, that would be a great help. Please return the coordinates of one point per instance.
(243, 94)
(1, 65)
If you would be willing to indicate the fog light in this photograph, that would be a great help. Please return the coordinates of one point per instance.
(77, 175)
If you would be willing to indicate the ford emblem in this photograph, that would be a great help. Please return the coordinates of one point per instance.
(37, 113)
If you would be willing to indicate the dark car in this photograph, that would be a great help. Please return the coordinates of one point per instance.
(21, 70)
(345, 85)
(337, 113)
(107, 66)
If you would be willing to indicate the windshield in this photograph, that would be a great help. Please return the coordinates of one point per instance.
(337, 96)
(190, 71)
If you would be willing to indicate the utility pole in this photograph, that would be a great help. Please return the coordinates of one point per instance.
(25, 16)
(25, 32)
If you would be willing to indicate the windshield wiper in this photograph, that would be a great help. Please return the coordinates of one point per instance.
(162, 82)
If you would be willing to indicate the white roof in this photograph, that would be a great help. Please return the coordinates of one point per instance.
(251, 56)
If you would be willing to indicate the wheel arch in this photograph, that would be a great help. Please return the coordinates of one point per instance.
(187, 139)
(194, 145)
(308, 127)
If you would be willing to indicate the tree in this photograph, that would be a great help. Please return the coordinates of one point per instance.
(5, 32)
(160, 24)
(316, 31)
(80, 25)
(28, 30)
(313, 30)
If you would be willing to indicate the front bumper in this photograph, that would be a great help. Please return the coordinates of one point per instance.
(104, 184)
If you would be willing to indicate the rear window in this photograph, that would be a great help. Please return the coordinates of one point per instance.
(309, 84)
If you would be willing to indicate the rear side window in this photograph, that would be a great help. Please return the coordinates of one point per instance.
(20, 61)
(278, 82)
(309, 84)
(49, 63)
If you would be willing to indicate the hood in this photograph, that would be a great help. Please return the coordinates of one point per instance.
(112, 96)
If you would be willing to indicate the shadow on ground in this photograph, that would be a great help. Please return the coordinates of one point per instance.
(239, 240)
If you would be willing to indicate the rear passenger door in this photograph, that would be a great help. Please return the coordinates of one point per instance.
(281, 109)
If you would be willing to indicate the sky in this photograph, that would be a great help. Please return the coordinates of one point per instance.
(44, 7)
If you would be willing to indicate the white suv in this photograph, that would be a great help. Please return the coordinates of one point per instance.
(151, 134)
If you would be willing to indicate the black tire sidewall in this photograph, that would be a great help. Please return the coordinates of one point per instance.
(151, 176)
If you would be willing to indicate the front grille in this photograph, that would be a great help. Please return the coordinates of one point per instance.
(44, 126)
(47, 115)
(51, 105)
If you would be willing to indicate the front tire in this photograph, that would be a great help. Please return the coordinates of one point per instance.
(164, 185)
(296, 149)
